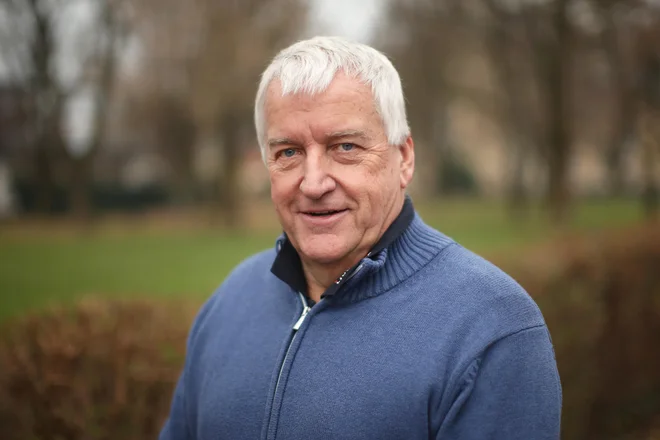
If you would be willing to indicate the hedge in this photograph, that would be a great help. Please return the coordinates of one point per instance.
(103, 370)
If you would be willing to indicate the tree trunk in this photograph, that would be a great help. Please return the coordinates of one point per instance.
(79, 189)
(45, 108)
(626, 110)
(431, 123)
(228, 179)
(558, 191)
(518, 201)
(616, 179)
(558, 198)
(45, 185)
(650, 140)
(516, 121)
(82, 166)
(649, 127)
(440, 146)
(427, 168)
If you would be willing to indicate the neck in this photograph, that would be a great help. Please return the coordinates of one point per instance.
(320, 277)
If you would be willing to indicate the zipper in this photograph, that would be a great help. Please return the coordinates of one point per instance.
(296, 326)
(295, 329)
(305, 311)
(357, 269)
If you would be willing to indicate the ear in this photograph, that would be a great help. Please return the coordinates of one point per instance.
(407, 150)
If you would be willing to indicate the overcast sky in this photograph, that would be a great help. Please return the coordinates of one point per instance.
(353, 19)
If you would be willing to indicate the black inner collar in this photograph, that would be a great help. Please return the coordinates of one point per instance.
(288, 267)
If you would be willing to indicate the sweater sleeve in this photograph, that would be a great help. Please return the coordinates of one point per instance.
(512, 391)
(176, 426)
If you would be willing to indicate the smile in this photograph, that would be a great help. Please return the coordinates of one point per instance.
(323, 218)
(324, 213)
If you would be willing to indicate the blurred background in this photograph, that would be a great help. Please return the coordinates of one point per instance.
(131, 183)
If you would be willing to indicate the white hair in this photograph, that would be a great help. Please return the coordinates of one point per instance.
(309, 66)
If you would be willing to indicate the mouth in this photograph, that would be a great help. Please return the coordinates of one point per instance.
(324, 214)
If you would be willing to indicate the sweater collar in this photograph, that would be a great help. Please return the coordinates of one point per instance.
(406, 256)
(405, 248)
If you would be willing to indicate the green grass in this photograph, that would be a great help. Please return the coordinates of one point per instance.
(43, 270)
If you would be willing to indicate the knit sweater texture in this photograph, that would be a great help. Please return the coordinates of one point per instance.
(425, 341)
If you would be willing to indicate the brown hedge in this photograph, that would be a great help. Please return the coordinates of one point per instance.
(106, 369)
(103, 370)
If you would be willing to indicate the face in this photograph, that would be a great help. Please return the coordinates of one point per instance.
(336, 182)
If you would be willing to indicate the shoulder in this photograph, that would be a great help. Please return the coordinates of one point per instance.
(488, 300)
(252, 269)
(249, 273)
(478, 306)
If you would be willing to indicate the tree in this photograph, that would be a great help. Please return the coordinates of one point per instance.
(648, 50)
(165, 118)
(511, 59)
(550, 33)
(424, 40)
(96, 85)
(537, 35)
(616, 41)
(38, 44)
(548, 36)
(28, 53)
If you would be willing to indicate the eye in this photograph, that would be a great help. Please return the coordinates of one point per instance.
(346, 146)
(286, 153)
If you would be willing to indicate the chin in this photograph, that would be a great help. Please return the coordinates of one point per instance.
(323, 251)
(322, 256)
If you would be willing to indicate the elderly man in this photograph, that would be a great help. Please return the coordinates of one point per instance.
(363, 322)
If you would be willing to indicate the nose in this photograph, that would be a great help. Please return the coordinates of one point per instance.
(316, 181)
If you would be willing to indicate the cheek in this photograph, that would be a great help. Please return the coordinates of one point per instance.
(384, 173)
(372, 175)
(283, 186)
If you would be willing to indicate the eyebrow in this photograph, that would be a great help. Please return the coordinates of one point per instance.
(347, 133)
(280, 141)
(275, 142)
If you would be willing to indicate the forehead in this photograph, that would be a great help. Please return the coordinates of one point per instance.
(347, 103)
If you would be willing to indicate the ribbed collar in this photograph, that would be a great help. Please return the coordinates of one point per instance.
(410, 252)
(405, 247)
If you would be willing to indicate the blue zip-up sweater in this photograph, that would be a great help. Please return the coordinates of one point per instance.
(424, 340)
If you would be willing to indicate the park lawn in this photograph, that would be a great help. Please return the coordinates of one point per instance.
(38, 271)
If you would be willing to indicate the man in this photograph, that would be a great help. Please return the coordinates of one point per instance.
(363, 322)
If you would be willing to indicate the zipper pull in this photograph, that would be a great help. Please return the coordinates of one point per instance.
(298, 323)
(357, 269)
